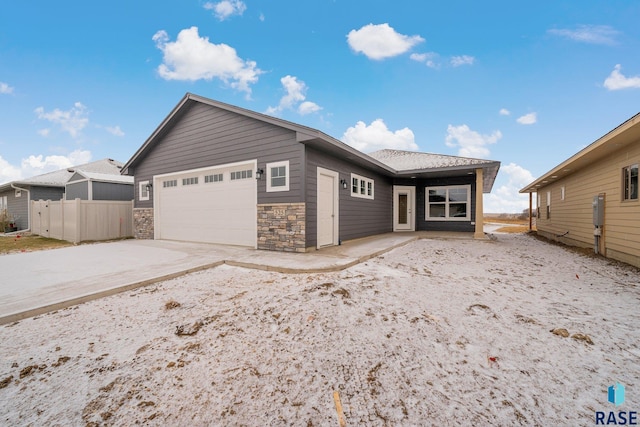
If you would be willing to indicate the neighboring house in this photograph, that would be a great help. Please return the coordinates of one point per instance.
(15, 196)
(591, 199)
(213, 172)
(99, 186)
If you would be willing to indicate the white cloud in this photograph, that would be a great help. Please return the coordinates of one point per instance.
(470, 143)
(39, 164)
(429, 59)
(8, 172)
(380, 41)
(593, 34)
(261, 17)
(115, 130)
(296, 91)
(458, 61)
(505, 112)
(226, 8)
(377, 136)
(617, 81)
(308, 107)
(44, 132)
(72, 121)
(5, 88)
(505, 197)
(528, 119)
(192, 57)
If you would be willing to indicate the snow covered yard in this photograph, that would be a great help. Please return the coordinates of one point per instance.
(437, 332)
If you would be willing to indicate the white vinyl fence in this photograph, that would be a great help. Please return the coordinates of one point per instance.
(82, 220)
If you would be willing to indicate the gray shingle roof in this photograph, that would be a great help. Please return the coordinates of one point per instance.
(412, 160)
(60, 177)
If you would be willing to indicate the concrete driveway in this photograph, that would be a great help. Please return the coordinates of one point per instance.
(37, 282)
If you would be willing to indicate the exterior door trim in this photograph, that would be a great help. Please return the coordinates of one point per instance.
(410, 192)
(336, 209)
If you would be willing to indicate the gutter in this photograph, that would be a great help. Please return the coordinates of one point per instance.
(28, 207)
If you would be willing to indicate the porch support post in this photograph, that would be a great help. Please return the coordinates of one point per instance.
(530, 211)
(479, 232)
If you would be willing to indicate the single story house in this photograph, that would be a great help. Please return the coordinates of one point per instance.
(85, 185)
(591, 199)
(213, 172)
(16, 196)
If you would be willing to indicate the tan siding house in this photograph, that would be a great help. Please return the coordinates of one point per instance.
(565, 196)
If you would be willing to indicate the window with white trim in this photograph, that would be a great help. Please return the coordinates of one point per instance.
(278, 176)
(190, 181)
(548, 204)
(450, 203)
(362, 187)
(216, 177)
(245, 174)
(143, 190)
(3, 203)
(630, 182)
(170, 183)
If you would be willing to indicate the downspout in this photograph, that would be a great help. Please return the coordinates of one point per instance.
(28, 207)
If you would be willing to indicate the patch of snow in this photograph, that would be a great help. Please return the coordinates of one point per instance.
(436, 332)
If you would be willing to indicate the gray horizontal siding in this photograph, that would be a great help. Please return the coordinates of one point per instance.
(112, 191)
(421, 184)
(206, 136)
(358, 217)
(18, 207)
(77, 190)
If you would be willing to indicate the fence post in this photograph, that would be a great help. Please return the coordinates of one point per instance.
(78, 207)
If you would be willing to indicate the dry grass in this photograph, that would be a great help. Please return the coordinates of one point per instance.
(20, 243)
(515, 229)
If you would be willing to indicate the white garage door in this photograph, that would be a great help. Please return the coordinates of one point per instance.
(213, 205)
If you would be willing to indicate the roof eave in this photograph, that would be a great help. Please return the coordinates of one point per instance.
(601, 144)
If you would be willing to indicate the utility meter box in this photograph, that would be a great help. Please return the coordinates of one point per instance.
(598, 210)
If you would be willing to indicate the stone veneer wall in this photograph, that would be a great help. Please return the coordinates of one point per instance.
(143, 223)
(281, 227)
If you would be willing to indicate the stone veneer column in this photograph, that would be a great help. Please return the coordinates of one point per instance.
(281, 227)
(143, 223)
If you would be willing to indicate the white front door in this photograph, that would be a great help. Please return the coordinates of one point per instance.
(404, 200)
(327, 228)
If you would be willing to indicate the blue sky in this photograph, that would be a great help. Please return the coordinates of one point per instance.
(525, 83)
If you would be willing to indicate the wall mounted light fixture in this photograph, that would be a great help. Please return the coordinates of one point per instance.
(149, 186)
(344, 183)
(259, 173)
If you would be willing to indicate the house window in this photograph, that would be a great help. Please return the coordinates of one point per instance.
(548, 204)
(143, 190)
(217, 177)
(170, 183)
(452, 203)
(538, 205)
(362, 187)
(278, 176)
(245, 174)
(190, 181)
(3, 203)
(630, 182)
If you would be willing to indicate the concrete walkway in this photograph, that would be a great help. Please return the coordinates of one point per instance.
(37, 282)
